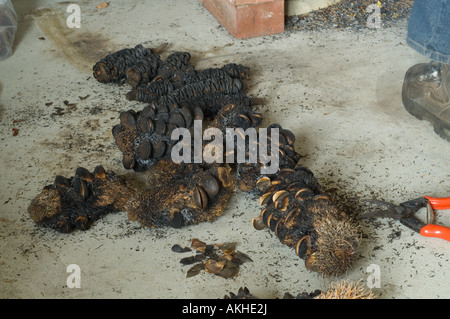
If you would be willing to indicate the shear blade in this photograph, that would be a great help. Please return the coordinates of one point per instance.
(379, 214)
(389, 211)
(412, 223)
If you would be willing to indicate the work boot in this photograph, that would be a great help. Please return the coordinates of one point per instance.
(426, 95)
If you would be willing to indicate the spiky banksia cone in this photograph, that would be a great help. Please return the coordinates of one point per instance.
(299, 213)
(182, 195)
(307, 220)
(347, 290)
(76, 202)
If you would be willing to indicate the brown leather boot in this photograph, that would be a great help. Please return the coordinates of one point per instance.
(426, 95)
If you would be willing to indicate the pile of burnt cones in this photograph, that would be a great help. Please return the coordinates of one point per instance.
(176, 95)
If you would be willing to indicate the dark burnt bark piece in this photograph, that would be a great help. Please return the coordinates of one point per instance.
(77, 202)
(112, 68)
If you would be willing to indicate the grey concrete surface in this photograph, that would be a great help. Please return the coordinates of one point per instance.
(338, 91)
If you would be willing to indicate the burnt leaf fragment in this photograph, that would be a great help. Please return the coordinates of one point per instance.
(178, 249)
(220, 259)
(195, 270)
(239, 258)
(192, 259)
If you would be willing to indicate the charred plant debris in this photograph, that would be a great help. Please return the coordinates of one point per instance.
(222, 260)
(337, 290)
(174, 94)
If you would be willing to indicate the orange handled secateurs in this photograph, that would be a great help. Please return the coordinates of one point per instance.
(405, 214)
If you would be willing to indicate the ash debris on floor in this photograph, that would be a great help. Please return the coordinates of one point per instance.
(350, 14)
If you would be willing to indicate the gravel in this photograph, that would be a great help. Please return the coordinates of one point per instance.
(351, 14)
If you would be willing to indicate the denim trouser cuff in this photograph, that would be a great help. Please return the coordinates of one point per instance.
(429, 29)
(432, 54)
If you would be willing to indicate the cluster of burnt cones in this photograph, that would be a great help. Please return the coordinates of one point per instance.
(176, 94)
(181, 194)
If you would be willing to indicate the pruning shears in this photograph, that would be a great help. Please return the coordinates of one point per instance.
(404, 212)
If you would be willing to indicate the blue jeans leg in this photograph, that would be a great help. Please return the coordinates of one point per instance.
(429, 29)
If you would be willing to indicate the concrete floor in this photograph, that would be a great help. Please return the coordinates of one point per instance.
(338, 91)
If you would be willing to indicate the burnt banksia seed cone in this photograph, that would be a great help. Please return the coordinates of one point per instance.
(112, 68)
(308, 221)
